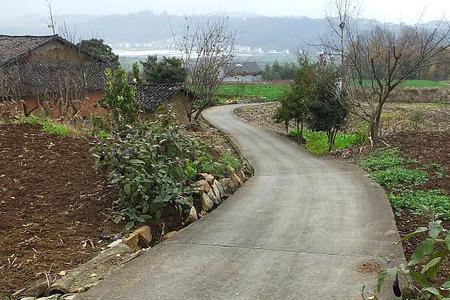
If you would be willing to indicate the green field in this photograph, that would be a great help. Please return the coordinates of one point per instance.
(419, 84)
(267, 91)
(272, 91)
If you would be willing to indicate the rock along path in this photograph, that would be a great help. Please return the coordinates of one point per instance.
(301, 228)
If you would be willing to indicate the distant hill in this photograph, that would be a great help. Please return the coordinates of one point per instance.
(277, 33)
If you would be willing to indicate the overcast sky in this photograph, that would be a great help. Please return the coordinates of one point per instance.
(384, 10)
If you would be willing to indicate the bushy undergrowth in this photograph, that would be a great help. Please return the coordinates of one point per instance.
(154, 164)
(317, 142)
(417, 200)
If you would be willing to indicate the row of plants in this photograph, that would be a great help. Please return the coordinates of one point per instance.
(402, 178)
(402, 181)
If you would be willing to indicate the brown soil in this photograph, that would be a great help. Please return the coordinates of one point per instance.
(425, 148)
(54, 207)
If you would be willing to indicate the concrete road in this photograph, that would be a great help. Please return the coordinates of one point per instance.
(301, 228)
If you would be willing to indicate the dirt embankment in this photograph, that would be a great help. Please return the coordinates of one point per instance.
(55, 209)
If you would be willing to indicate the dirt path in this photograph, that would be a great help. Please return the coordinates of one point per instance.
(301, 228)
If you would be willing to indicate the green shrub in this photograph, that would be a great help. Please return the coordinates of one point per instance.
(416, 200)
(120, 99)
(381, 160)
(399, 177)
(154, 165)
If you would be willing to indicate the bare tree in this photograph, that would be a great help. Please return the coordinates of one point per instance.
(376, 62)
(52, 23)
(208, 46)
(68, 33)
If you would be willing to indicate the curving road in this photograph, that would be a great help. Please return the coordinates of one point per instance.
(301, 228)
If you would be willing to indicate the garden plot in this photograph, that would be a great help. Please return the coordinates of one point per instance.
(54, 208)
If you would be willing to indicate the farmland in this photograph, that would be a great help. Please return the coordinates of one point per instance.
(272, 91)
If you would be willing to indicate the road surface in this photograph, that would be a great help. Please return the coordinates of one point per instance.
(301, 228)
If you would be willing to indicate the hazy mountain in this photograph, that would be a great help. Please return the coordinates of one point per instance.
(278, 33)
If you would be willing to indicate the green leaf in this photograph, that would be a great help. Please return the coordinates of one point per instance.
(412, 234)
(432, 291)
(434, 229)
(431, 264)
(420, 279)
(381, 279)
(425, 248)
(446, 285)
(127, 189)
(137, 162)
(447, 241)
(129, 225)
(117, 219)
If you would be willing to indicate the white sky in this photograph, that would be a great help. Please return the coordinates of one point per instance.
(384, 10)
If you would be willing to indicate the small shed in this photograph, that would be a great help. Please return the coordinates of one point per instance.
(243, 72)
(152, 96)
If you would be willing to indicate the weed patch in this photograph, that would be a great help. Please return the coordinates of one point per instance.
(48, 125)
(382, 160)
(416, 201)
(399, 177)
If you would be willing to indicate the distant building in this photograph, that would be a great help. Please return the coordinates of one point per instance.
(243, 72)
(40, 68)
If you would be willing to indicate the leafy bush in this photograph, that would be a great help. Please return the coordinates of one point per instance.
(153, 165)
(399, 177)
(317, 142)
(381, 160)
(417, 200)
(120, 99)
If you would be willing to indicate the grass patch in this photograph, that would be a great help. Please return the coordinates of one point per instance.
(399, 177)
(48, 125)
(417, 201)
(418, 84)
(317, 142)
(381, 160)
(267, 91)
